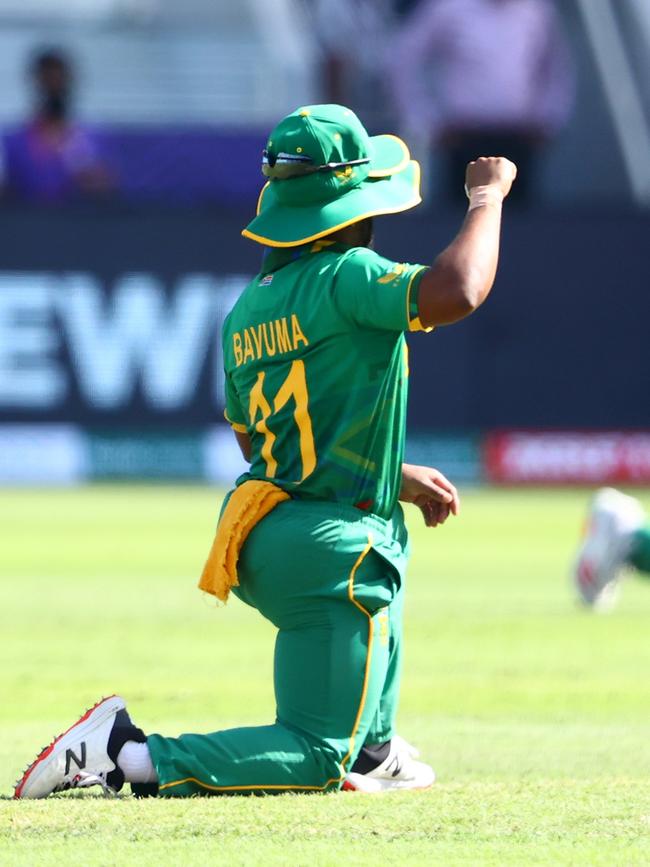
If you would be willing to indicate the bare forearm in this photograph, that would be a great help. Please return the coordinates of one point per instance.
(463, 274)
(244, 443)
(467, 268)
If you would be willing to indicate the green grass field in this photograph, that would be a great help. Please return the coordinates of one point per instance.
(535, 714)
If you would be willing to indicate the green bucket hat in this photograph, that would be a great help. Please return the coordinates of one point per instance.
(325, 172)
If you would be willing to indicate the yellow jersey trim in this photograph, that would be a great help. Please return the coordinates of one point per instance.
(317, 246)
(405, 206)
(415, 324)
(240, 428)
(355, 727)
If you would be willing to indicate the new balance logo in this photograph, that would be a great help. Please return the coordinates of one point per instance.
(397, 767)
(70, 756)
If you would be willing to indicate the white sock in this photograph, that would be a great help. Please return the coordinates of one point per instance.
(134, 760)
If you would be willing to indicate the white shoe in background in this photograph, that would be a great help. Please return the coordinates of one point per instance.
(612, 521)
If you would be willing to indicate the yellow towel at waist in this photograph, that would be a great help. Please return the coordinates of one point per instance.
(248, 504)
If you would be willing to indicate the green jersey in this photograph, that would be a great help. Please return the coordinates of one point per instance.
(316, 372)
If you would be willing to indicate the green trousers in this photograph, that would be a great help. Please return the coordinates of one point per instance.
(331, 580)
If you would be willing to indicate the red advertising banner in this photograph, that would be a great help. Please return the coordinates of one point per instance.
(565, 457)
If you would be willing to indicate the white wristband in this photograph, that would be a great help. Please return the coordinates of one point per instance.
(486, 195)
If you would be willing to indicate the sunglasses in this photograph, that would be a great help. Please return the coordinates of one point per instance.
(283, 166)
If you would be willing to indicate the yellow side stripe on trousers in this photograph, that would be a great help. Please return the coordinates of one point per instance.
(366, 673)
(357, 721)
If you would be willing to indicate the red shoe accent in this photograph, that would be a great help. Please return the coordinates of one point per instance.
(348, 787)
(586, 574)
(45, 752)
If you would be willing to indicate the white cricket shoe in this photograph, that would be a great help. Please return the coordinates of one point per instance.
(613, 520)
(78, 758)
(399, 770)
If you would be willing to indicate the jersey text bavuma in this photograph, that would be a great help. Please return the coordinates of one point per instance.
(316, 372)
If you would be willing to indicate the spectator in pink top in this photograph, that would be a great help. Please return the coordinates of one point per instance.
(51, 158)
(483, 77)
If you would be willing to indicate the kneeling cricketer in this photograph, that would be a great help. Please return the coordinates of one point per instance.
(313, 535)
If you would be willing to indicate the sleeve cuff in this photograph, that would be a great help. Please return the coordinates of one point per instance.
(239, 428)
(414, 323)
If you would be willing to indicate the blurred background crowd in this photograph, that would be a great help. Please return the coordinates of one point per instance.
(152, 99)
(131, 134)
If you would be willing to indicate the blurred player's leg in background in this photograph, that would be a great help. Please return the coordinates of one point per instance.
(640, 556)
(617, 535)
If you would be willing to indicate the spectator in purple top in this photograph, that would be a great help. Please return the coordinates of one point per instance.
(483, 77)
(51, 158)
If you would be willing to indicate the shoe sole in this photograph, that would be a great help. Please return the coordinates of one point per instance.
(348, 786)
(93, 717)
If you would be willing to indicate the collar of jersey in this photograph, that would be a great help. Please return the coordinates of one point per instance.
(278, 257)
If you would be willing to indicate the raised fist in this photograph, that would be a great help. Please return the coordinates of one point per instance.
(497, 172)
